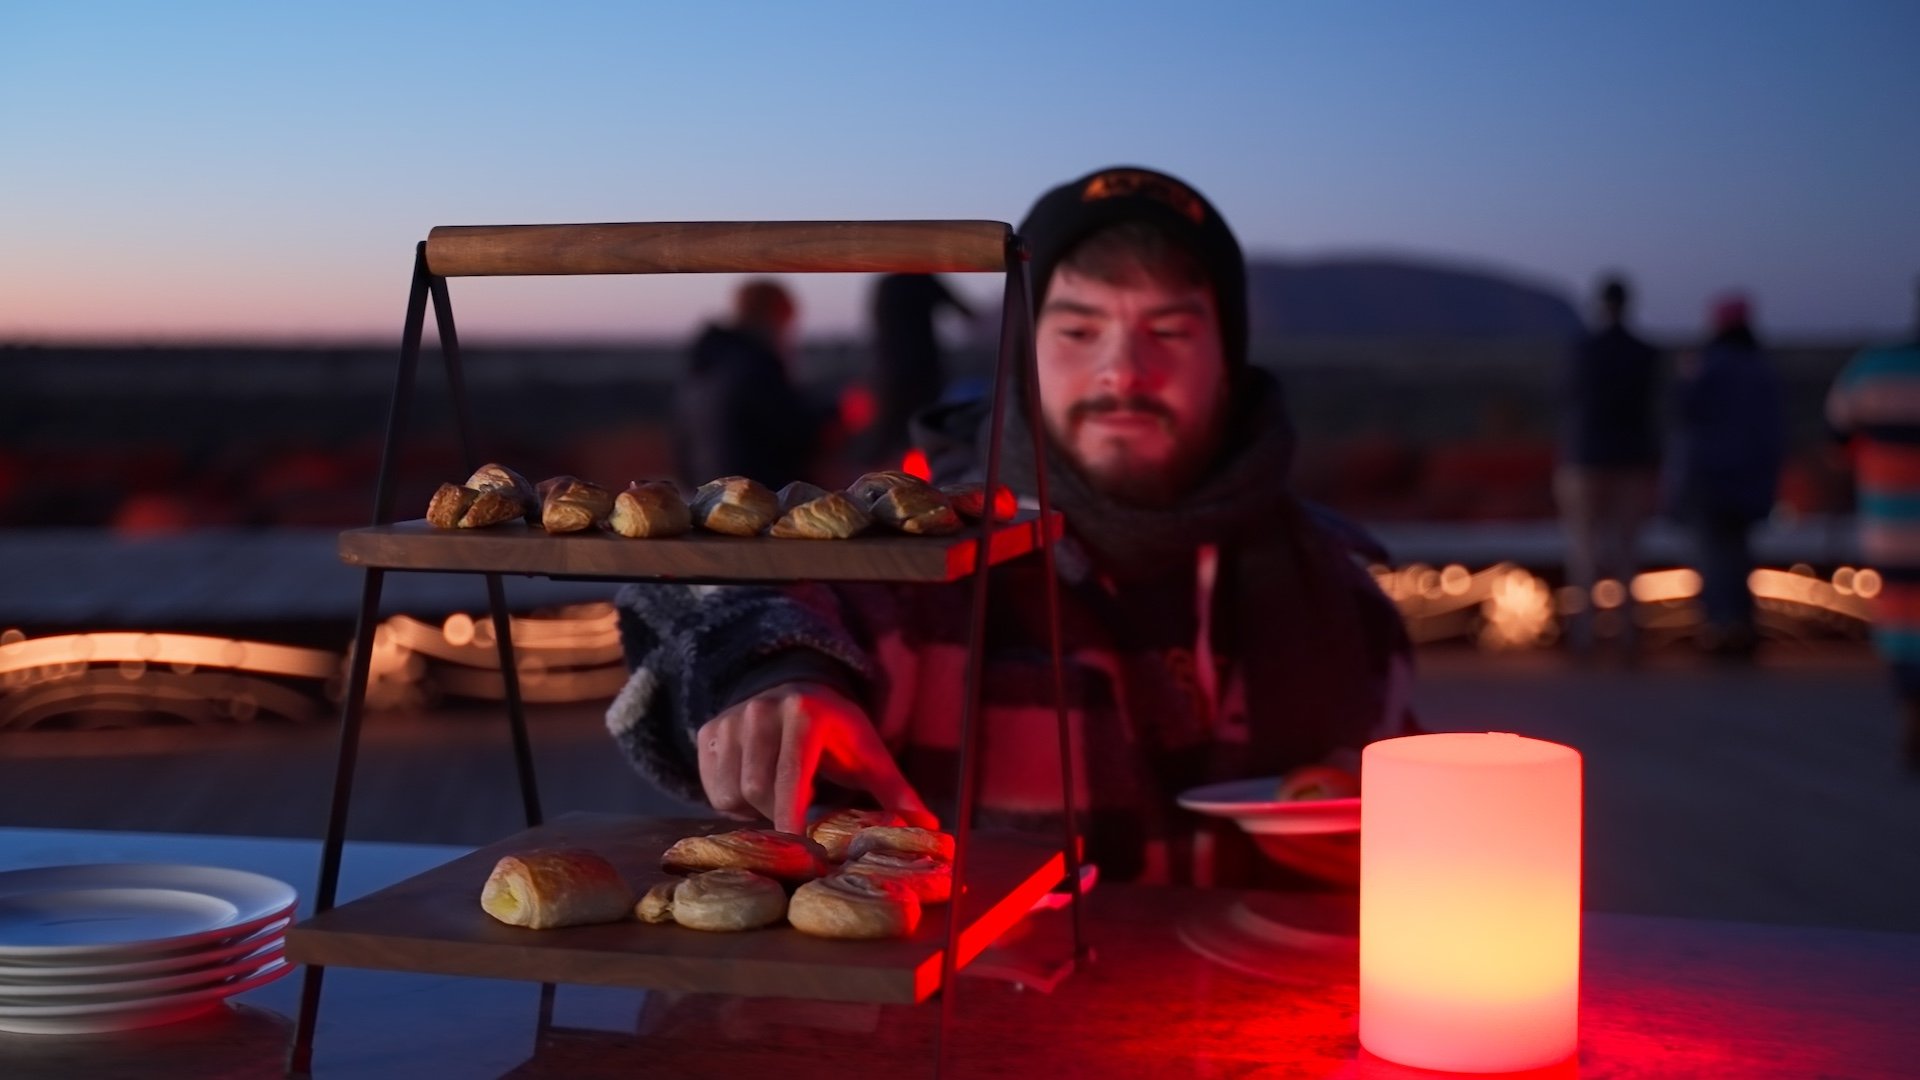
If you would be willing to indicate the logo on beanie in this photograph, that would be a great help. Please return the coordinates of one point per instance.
(1161, 189)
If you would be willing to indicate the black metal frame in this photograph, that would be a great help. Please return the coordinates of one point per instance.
(1016, 360)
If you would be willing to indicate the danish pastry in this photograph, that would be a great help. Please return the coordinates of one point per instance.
(929, 878)
(726, 900)
(872, 485)
(781, 856)
(657, 905)
(856, 906)
(813, 513)
(918, 509)
(648, 509)
(835, 831)
(735, 505)
(506, 485)
(449, 505)
(544, 889)
(905, 840)
(569, 505)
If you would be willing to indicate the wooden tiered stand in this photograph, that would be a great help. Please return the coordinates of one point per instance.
(410, 926)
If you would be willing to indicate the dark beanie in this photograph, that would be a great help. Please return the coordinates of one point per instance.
(1074, 211)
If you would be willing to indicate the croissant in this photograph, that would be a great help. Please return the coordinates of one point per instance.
(657, 905)
(569, 505)
(725, 900)
(449, 505)
(854, 906)
(541, 890)
(735, 505)
(649, 509)
(813, 513)
(835, 831)
(781, 856)
(499, 478)
(970, 501)
(493, 506)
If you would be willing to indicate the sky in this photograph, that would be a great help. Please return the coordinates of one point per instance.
(247, 171)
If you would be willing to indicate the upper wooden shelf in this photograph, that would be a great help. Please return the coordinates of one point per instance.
(697, 556)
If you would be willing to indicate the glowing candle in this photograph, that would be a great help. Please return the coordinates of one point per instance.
(1470, 901)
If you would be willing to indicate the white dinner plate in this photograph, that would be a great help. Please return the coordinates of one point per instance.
(81, 1018)
(99, 989)
(1251, 804)
(172, 963)
(124, 911)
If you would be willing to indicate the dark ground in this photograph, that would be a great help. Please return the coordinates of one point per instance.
(1769, 794)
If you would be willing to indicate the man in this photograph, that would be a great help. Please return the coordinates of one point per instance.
(1875, 405)
(739, 413)
(1213, 628)
(1609, 460)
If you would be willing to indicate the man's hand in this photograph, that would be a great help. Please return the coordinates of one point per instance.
(759, 758)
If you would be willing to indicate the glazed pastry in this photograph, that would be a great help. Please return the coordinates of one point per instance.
(557, 887)
(780, 856)
(657, 905)
(970, 501)
(569, 505)
(835, 831)
(449, 505)
(724, 900)
(929, 878)
(735, 505)
(920, 510)
(854, 906)
(510, 484)
(904, 840)
(813, 513)
(650, 508)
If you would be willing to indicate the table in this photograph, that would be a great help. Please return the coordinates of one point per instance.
(1661, 998)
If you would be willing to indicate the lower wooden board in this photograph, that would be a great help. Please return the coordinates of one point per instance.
(433, 923)
(517, 548)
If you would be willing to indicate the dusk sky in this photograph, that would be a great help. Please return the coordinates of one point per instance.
(261, 171)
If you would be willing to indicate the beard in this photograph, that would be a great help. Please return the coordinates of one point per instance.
(1120, 473)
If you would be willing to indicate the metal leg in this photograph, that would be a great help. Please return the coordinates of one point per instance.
(496, 592)
(352, 709)
(1029, 370)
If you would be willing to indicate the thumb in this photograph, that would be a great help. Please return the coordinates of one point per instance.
(875, 772)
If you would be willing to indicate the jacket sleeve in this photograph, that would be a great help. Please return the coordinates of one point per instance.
(695, 650)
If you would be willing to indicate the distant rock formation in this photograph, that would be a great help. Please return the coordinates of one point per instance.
(1389, 298)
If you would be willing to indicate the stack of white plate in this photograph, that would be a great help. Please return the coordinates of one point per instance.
(114, 946)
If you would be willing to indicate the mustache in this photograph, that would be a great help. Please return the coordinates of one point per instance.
(1110, 403)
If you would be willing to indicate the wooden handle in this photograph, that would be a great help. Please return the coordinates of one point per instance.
(718, 247)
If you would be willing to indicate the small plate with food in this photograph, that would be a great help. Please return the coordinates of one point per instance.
(1314, 799)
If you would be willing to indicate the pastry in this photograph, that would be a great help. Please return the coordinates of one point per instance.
(970, 501)
(1316, 782)
(650, 508)
(854, 906)
(449, 505)
(875, 484)
(929, 878)
(508, 484)
(657, 905)
(569, 505)
(835, 831)
(735, 505)
(555, 887)
(917, 509)
(814, 513)
(905, 840)
(725, 900)
(494, 506)
(781, 856)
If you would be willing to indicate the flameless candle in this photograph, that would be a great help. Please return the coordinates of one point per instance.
(1469, 901)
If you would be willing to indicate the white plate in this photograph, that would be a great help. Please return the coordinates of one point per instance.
(189, 960)
(98, 989)
(76, 1019)
(1250, 803)
(125, 911)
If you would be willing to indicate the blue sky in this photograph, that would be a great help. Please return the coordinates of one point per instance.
(189, 170)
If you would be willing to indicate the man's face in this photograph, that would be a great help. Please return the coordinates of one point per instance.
(1132, 382)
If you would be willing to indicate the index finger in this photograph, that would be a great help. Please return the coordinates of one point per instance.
(793, 776)
(874, 771)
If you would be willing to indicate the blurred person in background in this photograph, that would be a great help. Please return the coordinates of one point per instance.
(908, 374)
(1875, 406)
(1726, 464)
(1609, 457)
(739, 413)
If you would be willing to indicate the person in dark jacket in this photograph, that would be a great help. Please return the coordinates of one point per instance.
(908, 374)
(1610, 454)
(739, 413)
(1726, 468)
(1215, 627)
